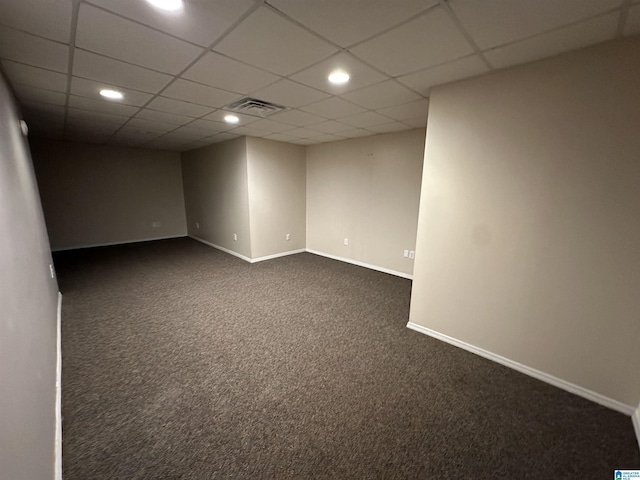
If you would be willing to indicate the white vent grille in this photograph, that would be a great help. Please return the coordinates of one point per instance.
(253, 106)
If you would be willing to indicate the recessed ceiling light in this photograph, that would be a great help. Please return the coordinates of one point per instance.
(338, 77)
(168, 5)
(231, 119)
(111, 94)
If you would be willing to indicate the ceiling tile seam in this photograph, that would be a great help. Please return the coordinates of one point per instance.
(437, 65)
(447, 8)
(625, 6)
(204, 52)
(551, 30)
(75, 9)
(35, 35)
(144, 25)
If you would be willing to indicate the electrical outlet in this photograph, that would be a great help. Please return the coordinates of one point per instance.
(156, 224)
(198, 225)
(346, 241)
(235, 237)
(412, 254)
(288, 237)
(406, 254)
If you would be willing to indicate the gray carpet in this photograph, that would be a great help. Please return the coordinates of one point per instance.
(183, 362)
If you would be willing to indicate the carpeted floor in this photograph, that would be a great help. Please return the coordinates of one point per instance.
(183, 362)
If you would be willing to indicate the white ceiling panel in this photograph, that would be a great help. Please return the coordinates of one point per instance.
(223, 72)
(34, 94)
(388, 127)
(428, 40)
(184, 134)
(579, 35)
(91, 89)
(381, 95)
(200, 22)
(423, 80)
(326, 137)
(201, 94)
(157, 116)
(496, 22)
(34, 76)
(361, 74)
(351, 21)
(38, 52)
(210, 127)
(331, 126)
(116, 37)
(297, 118)
(249, 131)
(268, 41)
(223, 137)
(270, 126)
(218, 116)
(178, 107)
(144, 125)
(365, 119)
(407, 111)
(45, 18)
(289, 94)
(416, 122)
(95, 118)
(101, 105)
(333, 108)
(355, 133)
(303, 133)
(632, 27)
(103, 69)
(280, 137)
(33, 110)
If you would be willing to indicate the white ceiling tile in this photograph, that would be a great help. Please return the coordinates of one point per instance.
(34, 94)
(365, 119)
(578, 35)
(304, 141)
(185, 134)
(101, 130)
(163, 143)
(116, 37)
(327, 138)
(302, 133)
(280, 137)
(210, 127)
(268, 41)
(200, 22)
(270, 126)
(136, 134)
(407, 111)
(223, 72)
(24, 48)
(331, 126)
(361, 74)
(297, 118)
(355, 132)
(95, 118)
(106, 70)
(45, 18)
(289, 94)
(381, 95)
(351, 21)
(248, 131)
(389, 127)
(47, 111)
(144, 125)
(333, 108)
(179, 108)
(157, 116)
(428, 40)
(100, 105)
(218, 116)
(416, 122)
(91, 88)
(632, 27)
(34, 76)
(423, 80)
(495, 22)
(197, 93)
(223, 137)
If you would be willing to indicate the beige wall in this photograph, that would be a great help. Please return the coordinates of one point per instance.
(277, 199)
(366, 190)
(97, 194)
(28, 296)
(529, 229)
(216, 194)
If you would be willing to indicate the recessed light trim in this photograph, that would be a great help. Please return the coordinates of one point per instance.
(339, 77)
(167, 5)
(231, 119)
(111, 94)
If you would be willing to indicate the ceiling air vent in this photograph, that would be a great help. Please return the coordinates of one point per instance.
(253, 106)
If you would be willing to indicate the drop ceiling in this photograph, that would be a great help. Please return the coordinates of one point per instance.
(178, 71)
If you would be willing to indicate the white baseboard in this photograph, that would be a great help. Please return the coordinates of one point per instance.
(532, 372)
(93, 245)
(636, 424)
(218, 247)
(278, 255)
(361, 264)
(58, 441)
